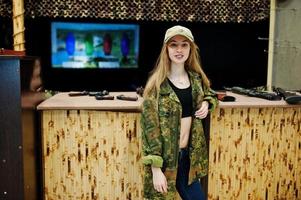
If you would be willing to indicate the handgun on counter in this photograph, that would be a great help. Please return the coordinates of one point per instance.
(127, 98)
(76, 94)
(289, 97)
(99, 97)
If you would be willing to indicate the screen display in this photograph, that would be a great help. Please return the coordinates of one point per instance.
(94, 45)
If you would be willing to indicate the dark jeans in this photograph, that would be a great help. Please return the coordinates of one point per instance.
(187, 192)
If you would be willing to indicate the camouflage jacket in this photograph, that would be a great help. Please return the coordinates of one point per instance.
(160, 123)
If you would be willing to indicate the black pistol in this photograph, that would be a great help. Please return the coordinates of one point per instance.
(289, 97)
(99, 97)
(101, 93)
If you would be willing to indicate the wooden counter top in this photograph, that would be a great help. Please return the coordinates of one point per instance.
(63, 101)
(246, 101)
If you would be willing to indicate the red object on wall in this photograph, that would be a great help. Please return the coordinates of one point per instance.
(10, 52)
(107, 44)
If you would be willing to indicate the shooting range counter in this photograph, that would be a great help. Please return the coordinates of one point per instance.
(255, 150)
(92, 149)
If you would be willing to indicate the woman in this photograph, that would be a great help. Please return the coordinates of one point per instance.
(176, 97)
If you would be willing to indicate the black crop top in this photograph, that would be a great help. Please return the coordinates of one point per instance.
(185, 98)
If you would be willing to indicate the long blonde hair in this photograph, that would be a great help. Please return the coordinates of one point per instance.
(162, 69)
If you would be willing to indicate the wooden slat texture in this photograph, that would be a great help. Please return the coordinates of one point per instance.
(255, 153)
(90, 152)
(91, 155)
(18, 25)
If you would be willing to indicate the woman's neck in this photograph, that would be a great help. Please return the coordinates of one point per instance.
(177, 70)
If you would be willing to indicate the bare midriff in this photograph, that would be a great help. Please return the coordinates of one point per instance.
(185, 131)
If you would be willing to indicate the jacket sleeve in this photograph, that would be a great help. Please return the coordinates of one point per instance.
(210, 96)
(151, 135)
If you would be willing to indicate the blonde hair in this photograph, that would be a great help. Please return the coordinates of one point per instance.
(162, 69)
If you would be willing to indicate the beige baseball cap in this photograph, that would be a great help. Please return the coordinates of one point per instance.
(178, 30)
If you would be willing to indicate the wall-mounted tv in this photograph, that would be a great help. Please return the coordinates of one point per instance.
(94, 45)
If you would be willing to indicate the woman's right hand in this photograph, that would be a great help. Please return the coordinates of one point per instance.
(159, 180)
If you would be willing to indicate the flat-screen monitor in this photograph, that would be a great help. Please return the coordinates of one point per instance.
(94, 45)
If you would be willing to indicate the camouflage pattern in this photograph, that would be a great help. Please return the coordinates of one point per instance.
(160, 122)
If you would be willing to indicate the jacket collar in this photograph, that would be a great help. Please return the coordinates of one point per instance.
(192, 75)
(167, 90)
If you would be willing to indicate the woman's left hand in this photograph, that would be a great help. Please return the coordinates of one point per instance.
(203, 111)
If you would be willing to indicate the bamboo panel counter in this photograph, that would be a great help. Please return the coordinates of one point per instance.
(91, 148)
(255, 150)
